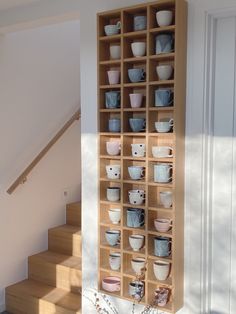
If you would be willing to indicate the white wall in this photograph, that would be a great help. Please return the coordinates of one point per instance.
(39, 91)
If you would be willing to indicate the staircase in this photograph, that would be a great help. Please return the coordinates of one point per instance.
(54, 276)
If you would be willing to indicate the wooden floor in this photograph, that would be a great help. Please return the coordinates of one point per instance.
(54, 276)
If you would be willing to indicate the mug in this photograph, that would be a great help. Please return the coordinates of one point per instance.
(162, 225)
(112, 99)
(112, 29)
(136, 241)
(140, 22)
(163, 97)
(162, 246)
(113, 194)
(135, 217)
(136, 172)
(136, 100)
(166, 199)
(138, 264)
(137, 124)
(114, 215)
(162, 173)
(114, 125)
(164, 17)
(164, 43)
(162, 151)
(115, 261)
(138, 49)
(113, 237)
(136, 197)
(113, 171)
(138, 150)
(162, 296)
(113, 148)
(164, 126)
(115, 52)
(161, 270)
(164, 72)
(113, 77)
(136, 289)
(136, 75)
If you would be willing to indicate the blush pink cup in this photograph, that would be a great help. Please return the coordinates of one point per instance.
(113, 77)
(136, 100)
(113, 148)
(162, 225)
(111, 284)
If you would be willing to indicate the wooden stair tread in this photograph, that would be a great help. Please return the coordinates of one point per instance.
(57, 296)
(69, 229)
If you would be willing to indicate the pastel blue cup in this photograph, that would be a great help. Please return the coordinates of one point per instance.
(112, 29)
(163, 97)
(137, 124)
(112, 237)
(136, 75)
(114, 125)
(112, 99)
(136, 172)
(164, 43)
(135, 217)
(140, 22)
(162, 246)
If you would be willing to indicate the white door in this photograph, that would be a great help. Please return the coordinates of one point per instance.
(211, 159)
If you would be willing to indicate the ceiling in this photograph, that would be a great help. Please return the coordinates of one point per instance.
(8, 4)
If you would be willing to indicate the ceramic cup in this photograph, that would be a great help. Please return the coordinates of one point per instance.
(113, 194)
(111, 284)
(162, 225)
(114, 125)
(162, 173)
(164, 17)
(164, 72)
(136, 75)
(113, 171)
(162, 151)
(112, 29)
(113, 77)
(162, 296)
(136, 172)
(164, 126)
(166, 199)
(112, 237)
(161, 270)
(162, 246)
(115, 52)
(138, 49)
(114, 261)
(163, 97)
(136, 289)
(138, 264)
(112, 99)
(135, 217)
(114, 215)
(138, 150)
(140, 22)
(113, 148)
(137, 124)
(136, 100)
(136, 241)
(164, 43)
(136, 197)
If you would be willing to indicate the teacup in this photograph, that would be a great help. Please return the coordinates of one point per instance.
(162, 225)
(138, 150)
(135, 217)
(113, 237)
(137, 124)
(164, 72)
(162, 246)
(113, 194)
(115, 52)
(136, 75)
(140, 22)
(113, 148)
(115, 261)
(113, 77)
(112, 29)
(136, 100)
(114, 125)
(163, 97)
(164, 126)
(162, 151)
(113, 171)
(111, 284)
(161, 270)
(138, 49)
(162, 173)
(166, 199)
(136, 241)
(136, 172)
(136, 289)
(138, 264)
(136, 197)
(114, 215)
(164, 43)
(164, 17)
(112, 99)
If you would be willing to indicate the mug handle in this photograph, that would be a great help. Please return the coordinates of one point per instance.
(171, 122)
(171, 102)
(169, 170)
(143, 76)
(171, 154)
(143, 215)
(118, 24)
(144, 126)
(143, 173)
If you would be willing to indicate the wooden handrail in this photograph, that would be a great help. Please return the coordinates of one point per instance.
(23, 177)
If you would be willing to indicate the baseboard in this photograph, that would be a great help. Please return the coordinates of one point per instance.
(2, 308)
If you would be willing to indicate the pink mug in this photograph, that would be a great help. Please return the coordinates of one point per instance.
(113, 77)
(113, 148)
(136, 100)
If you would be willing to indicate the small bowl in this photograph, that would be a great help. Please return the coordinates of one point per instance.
(111, 284)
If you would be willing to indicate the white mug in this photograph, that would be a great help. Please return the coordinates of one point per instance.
(138, 264)
(162, 173)
(113, 194)
(113, 148)
(115, 261)
(166, 199)
(164, 72)
(138, 49)
(136, 197)
(164, 17)
(136, 100)
(115, 52)
(136, 172)
(113, 172)
(162, 151)
(138, 150)
(161, 270)
(136, 241)
(114, 215)
(113, 77)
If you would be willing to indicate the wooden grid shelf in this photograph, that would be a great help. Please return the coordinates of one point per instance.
(123, 141)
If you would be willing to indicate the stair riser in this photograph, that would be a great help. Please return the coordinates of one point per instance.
(64, 243)
(73, 215)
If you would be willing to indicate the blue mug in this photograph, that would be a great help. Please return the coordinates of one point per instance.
(135, 217)
(114, 125)
(164, 43)
(136, 75)
(137, 124)
(112, 99)
(136, 172)
(140, 22)
(162, 246)
(163, 97)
